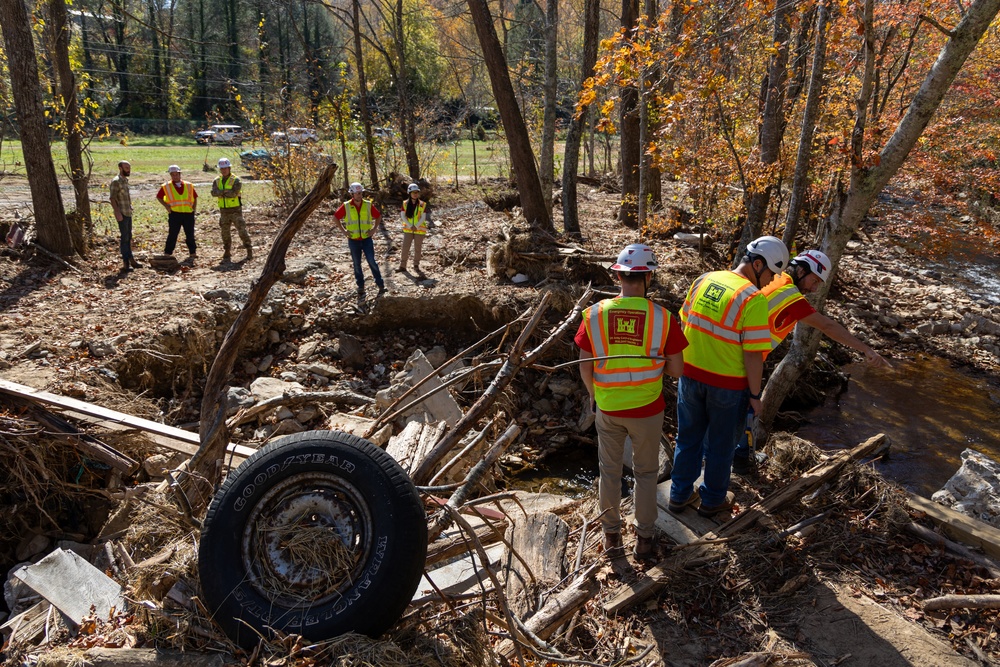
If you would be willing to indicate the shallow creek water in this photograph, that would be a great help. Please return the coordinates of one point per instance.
(930, 411)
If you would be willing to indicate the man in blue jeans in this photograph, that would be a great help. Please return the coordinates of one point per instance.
(359, 218)
(725, 322)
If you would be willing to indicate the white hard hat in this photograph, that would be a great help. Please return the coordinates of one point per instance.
(356, 187)
(771, 250)
(173, 169)
(636, 258)
(224, 162)
(412, 187)
(815, 261)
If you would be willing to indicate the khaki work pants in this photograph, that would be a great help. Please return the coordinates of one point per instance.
(645, 434)
(404, 254)
(228, 218)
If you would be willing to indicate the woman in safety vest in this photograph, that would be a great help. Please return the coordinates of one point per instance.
(414, 218)
(643, 341)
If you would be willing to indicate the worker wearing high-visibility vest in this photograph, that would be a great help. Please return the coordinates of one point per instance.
(786, 306)
(359, 218)
(181, 201)
(413, 215)
(627, 393)
(725, 322)
(227, 188)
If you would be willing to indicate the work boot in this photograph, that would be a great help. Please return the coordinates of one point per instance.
(361, 293)
(227, 258)
(613, 546)
(134, 264)
(678, 506)
(645, 548)
(381, 290)
(249, 254)
(724, 506)
(747, 465)
(126, 268)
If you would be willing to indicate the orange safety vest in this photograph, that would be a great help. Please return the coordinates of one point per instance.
(417, 224)
(627, 325)
(780, 293)
(724, 315)
(182, 202)
(358, 223)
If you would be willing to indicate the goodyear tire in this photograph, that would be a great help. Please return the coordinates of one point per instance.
(318, 534)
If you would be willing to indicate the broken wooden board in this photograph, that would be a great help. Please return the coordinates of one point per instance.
(29, 624)
(540, 541)
(455, 542)
(656, 577)
(684, 527)
(72, 585)
(169, 437)
(459, 576)
(413, 443)
(960, 527)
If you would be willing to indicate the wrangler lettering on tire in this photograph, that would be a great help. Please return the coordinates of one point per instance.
(318, 534)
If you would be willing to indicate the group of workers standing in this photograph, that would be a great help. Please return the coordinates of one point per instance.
(180, 199)
(358, 218)
(728, 324)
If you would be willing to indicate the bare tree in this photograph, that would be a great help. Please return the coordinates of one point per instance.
(571, 161)
(631, 151)
(50, 217)
(366, 116)
(549, 104)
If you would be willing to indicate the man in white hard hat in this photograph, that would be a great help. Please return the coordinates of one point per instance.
(359, 219)
(725, 322)
(628, 392)
(121, 206)
(181, 201)
(786, 306)
(227, 188)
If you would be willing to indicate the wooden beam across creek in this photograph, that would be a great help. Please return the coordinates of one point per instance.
(168, 437)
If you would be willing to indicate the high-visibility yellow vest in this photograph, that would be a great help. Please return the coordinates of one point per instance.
(227, 202)
(358, 223)
(724, 315)
(182, 202)
(417, 224)
(781, 293)
(627, 325)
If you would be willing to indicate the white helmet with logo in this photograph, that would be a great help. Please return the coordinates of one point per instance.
(636, 258)
(356, 187)
(771, 250)
(224, 162)
(815, 261)
(412, 187)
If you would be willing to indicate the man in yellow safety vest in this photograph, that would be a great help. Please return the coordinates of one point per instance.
(627, 393)
(725, 322)
(359, 218)
(181, 201)
(227, 189)
(786, 306)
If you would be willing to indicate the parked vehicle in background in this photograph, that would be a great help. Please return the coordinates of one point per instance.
(382, 132)
(230, 135)
(263, 163)
(295, 135)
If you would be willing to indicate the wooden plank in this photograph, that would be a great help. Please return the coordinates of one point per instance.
(655, 578)
(960, 527)
(169, 437)
(456, 542)
(686, 523)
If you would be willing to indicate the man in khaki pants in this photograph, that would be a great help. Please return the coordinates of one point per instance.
(628, 392)
(227, 188)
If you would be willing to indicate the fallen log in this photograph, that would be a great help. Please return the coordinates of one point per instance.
(540, 542)
(655, 578)
(963, 602)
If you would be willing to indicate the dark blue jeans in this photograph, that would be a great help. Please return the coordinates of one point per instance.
(366, 246)
(710, 421)
(125, 244)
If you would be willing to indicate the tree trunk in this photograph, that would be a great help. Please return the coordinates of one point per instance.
(868, 181)
(651, 189)
(159, 89)
(521, 155)
(366, 117)
(772, 129)
(50, 217)
(799, 180)
(407, 121)
(549, 111)
(71, 120)
(631, 152)
(571, 159)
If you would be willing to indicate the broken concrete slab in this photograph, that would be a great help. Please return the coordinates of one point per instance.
(72, 585)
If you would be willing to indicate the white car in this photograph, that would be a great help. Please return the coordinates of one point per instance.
(220, 134)
(295, 135)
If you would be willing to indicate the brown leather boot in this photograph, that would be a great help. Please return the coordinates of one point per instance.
(613, 546)
(645, 548)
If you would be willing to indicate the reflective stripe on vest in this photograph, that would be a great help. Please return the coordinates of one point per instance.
(182, 202)
(714, 324)
(228, 202)
(627, 325)
(417, 224)
(358, 223)
(780, 294)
